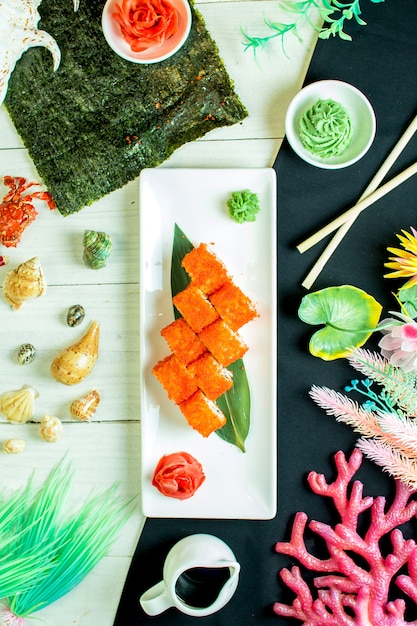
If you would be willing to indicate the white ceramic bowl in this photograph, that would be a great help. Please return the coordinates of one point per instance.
(153, 54)
(358, 108)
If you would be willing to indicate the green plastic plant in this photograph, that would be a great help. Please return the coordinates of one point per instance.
(46, 551)
(334, 13)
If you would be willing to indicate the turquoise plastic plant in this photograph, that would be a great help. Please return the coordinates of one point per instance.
(46, 551)
(335, 15)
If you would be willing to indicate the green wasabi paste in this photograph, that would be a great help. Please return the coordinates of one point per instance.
(326, 129)
(243, 206)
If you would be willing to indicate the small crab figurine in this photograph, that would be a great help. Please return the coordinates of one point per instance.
(17, 210)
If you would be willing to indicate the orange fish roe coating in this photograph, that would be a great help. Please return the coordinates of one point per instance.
(195, 308)
(178, 382)
(205, 269)
(233, 306)
(213, 379)
(183, 341)
(202, 414)
(225, 345)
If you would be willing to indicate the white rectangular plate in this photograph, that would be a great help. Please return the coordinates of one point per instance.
(238, 485)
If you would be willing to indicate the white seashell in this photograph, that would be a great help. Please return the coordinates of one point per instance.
(51, 429)
(14, 446)
(24, 282)
(84, 408)
(18, 33)
(17, 406)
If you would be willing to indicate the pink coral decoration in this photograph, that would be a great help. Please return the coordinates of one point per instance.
(347, 593)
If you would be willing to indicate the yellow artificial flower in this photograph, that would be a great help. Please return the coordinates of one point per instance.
(405, 261)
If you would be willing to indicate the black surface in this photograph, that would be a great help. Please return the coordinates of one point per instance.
(382, 62)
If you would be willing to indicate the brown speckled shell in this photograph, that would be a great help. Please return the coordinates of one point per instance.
(77, 361)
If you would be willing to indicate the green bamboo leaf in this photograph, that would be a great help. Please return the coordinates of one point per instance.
(179, 277)
(349, 316)
(235, 403)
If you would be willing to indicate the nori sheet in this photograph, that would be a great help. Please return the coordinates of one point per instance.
(95, 123)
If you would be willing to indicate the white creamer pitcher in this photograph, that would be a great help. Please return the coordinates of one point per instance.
(200, 575)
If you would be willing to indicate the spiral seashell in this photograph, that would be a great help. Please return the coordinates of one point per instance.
(84, 408)
(24, 282)
(75, 315)
(14, 446)
(97, 248)
(17, 406)
(77, 361)
(26, 354)
(51, 429)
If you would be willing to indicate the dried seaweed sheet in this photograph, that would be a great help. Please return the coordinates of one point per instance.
(96, 122)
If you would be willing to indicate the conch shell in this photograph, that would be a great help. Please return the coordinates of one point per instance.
(14, 446)
(18, 32)
(24, 282)
(17, 406)
(77, 361)
(97, 248)
(84, 408)
(51, 428)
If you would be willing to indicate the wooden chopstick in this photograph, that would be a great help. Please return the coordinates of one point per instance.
(345, 225)
(358, 208)
(373, 185)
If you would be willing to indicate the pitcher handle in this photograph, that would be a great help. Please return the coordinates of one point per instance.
(156, 600)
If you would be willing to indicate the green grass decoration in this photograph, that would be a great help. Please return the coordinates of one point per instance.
(95, 123)
(62, 548)
(235, 403)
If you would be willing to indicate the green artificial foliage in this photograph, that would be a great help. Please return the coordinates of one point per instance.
(45, 550)
(334, 13)
(348, 315)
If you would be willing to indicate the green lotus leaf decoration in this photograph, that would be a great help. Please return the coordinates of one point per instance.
(349, 316)
(407, 297)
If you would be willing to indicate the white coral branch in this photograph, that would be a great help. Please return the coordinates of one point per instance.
(399, 385)
(387, 428)
(346, 410)
(401, 431)
(391, 461)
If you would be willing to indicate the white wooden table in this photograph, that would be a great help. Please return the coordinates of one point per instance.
(106, 450)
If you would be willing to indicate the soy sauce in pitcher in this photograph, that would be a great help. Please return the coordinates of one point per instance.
(200, 586)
